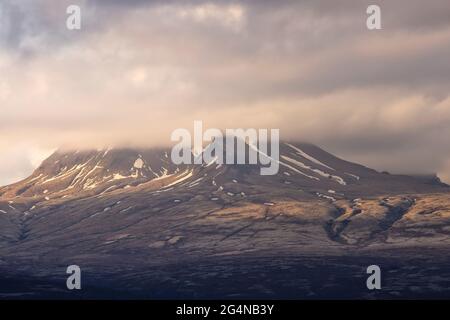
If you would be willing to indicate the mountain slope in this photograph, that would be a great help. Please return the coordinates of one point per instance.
(120, 213)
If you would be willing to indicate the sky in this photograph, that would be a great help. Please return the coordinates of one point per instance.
(138, 69)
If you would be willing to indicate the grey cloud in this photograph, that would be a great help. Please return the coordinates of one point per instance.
(139, 69)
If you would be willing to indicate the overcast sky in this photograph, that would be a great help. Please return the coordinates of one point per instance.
(139, 69)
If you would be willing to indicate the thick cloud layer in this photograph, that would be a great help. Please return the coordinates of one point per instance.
(139, 69)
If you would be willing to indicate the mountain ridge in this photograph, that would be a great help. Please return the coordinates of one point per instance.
(302, 164)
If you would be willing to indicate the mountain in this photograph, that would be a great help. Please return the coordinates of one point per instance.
(134, 220)
(305, 166)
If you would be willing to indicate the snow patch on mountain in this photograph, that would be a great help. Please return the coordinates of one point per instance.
(318, 171)
(307, 156)
(139, 163)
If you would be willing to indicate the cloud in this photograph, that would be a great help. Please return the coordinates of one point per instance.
(19, 161)
(139, 69)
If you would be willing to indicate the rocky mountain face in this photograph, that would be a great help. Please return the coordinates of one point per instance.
(134, 220)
